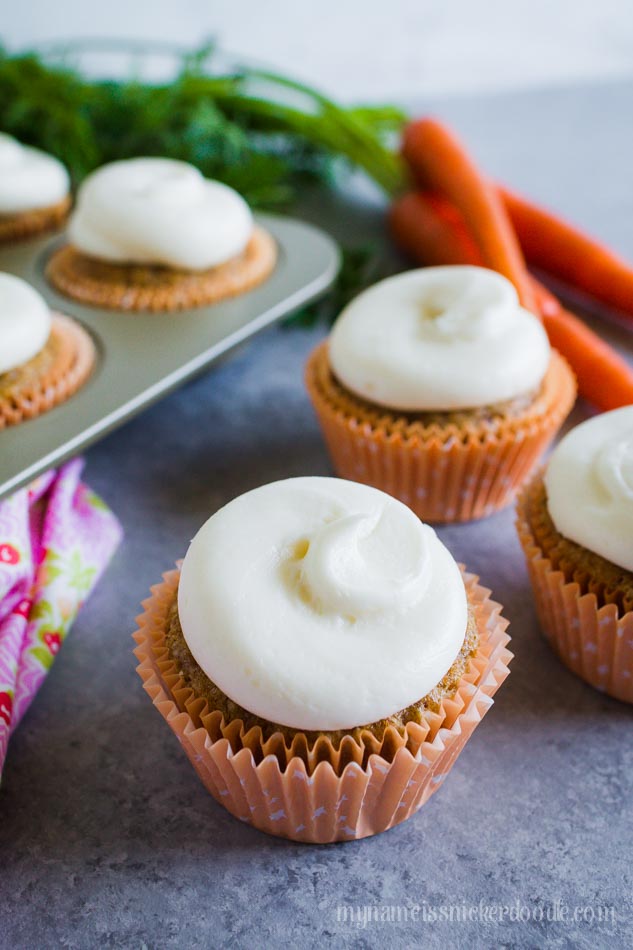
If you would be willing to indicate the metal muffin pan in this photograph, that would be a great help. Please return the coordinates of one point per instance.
(143, 356)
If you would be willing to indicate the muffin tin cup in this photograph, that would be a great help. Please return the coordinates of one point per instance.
(595, 643)
(26, 398)
(325, 794)
(451, 474)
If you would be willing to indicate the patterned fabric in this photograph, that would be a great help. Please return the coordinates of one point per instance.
(56, 538)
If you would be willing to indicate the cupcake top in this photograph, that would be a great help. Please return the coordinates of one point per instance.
(439, 338)
(29, 178)
(589, 483)
(25, 322)
(159, 211)
(321, 604)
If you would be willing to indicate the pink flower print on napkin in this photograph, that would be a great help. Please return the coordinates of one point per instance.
(56, 538)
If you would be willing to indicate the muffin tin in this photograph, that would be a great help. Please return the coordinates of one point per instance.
(143, 356)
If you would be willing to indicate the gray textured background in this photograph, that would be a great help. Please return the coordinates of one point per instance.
(106, 836)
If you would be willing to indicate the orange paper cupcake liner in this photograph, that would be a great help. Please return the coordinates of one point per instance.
(318, 793)
(145, 288)
(458, 471)
(595, 642)
(51, 377)
(29, 224)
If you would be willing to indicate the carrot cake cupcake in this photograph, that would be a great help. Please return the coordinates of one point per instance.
(575, 523)
(154, 234)
(44, 357)
(321, 657)
(439, 388)
(34, 191)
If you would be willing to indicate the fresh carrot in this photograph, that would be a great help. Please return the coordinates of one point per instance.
(564, 252)
(429, 229)
(440, 163)
(604, 377)
(432, 232)
(546, 303)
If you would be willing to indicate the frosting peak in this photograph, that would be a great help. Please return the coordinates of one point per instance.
(321, 604)
(29, 178)
(439, 338)
(464, 304)
(25, 322)
(589, 482)
(614, 468)
(364, 563)
(159, 211)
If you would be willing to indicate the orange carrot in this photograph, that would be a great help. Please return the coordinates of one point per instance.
(440, 163)
(429, 229)
(604, 377)
(563, 251)
(546, 303)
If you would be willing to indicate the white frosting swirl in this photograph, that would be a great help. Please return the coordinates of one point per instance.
(25, 322)
(321, 604)
(589, 482)
(29, 178)
(439, 338)
(159, 211)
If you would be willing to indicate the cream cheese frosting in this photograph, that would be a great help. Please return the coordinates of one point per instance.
(25, 322)
(159, 211)
(321, 604)
(439, 338)
(29, 178)
(589, 483)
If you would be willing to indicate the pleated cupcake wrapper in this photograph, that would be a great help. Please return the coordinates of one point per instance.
(444, 474)
(25, 400)
(151, 289)
(595, 643)
(312, 791)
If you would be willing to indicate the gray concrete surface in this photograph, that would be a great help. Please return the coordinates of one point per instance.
(107, 839)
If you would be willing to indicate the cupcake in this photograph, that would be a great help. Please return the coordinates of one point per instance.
(575, 523)
(321, 657)
(44, 357)
(153, 234)
(34, 191)
(438, 387)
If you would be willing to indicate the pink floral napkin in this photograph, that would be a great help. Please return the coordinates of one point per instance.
(56, 538)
